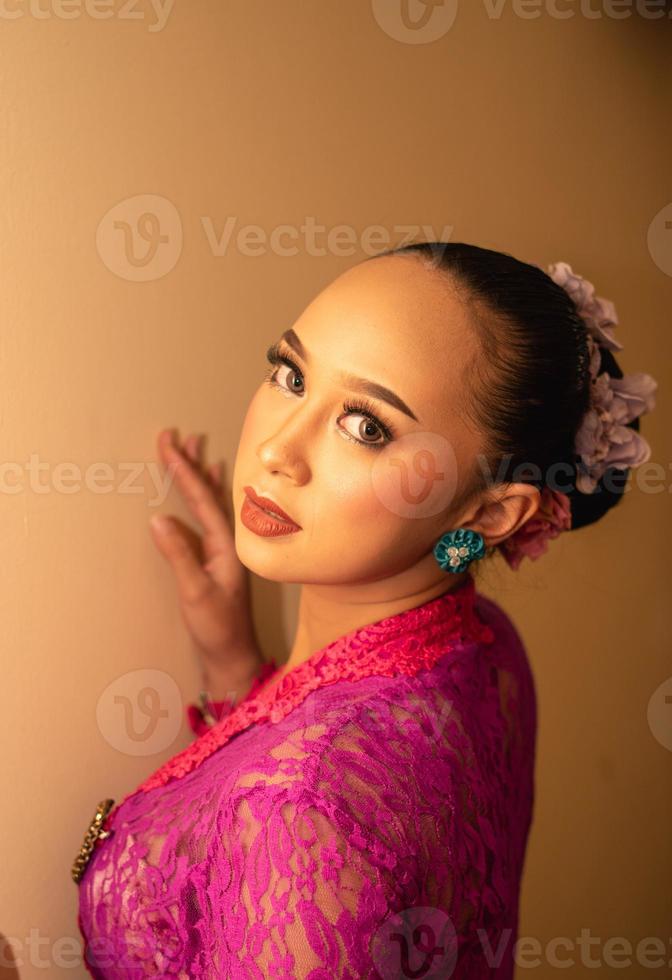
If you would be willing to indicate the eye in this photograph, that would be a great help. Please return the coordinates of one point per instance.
(287, 377)
(367, 432)
(293, 374)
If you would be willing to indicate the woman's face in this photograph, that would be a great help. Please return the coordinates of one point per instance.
(371, 495)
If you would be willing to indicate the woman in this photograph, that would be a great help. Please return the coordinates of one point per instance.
(363, 810)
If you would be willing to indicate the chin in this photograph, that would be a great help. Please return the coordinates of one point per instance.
(266, 557)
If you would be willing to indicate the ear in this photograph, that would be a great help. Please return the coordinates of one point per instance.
(506, 509)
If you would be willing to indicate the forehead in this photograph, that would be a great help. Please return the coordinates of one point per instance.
(397, 322)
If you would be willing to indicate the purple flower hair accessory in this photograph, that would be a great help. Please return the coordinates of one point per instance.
(597, 313)
(604, 438)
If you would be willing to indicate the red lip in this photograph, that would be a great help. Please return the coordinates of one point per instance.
(270, 505)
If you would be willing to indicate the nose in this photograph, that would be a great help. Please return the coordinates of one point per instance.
(285, 451)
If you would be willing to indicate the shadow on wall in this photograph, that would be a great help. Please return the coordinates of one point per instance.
(8, 969)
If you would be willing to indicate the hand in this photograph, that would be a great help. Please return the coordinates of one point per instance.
(213, 584)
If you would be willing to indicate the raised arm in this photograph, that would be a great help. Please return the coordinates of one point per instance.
(212, 584)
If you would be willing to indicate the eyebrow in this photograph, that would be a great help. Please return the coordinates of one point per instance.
(361, 385)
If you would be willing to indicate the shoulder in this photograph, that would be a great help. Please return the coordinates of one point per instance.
(355, 750)
(494, 615)
(363, 760)
(509, 649)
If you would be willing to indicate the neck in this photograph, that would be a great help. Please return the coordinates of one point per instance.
(328, 612)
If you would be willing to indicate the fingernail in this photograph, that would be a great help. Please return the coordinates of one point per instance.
(160, 524)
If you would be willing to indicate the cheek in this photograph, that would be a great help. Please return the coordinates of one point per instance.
(348, 501)
(351, 491)
(398, 495)
(354, 522)
(416, 477)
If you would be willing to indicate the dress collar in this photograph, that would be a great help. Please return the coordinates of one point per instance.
(404, 643)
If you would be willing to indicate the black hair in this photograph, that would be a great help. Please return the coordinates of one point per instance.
(529, 386)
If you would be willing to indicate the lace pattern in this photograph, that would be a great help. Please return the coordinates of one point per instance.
(296, 847)
(221, 708)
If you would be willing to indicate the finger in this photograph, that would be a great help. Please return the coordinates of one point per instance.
(215, 475)
(193, 446)
(166, 437)
(180, 546)
(192, 450)
(199, 497)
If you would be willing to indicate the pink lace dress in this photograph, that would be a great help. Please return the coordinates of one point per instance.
(365, 817)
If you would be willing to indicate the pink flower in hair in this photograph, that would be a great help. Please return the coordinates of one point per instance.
(531, 540)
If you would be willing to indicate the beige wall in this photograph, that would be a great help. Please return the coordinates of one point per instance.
(545, 137)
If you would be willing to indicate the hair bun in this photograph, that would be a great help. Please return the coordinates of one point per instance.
(608, 442)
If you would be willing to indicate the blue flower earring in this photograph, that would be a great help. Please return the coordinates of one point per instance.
(455, 549)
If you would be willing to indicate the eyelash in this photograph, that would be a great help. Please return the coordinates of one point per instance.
(356, 406)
